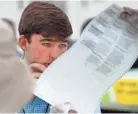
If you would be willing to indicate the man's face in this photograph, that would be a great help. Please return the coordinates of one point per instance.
(43, 50)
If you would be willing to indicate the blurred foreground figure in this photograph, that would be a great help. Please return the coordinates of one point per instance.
(16, 85)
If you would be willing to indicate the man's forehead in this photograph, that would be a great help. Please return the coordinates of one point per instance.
(53, 39)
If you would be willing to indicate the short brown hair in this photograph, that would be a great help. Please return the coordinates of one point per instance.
(45, 19)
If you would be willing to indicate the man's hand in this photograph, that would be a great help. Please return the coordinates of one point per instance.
(130, 15)
(65, 108)
(37, 69)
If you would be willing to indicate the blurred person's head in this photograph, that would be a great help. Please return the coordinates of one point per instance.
(8, 40)
(10, 23)
(85, 23)
(44, 32)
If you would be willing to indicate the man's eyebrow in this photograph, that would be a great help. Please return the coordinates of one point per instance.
(50, 39)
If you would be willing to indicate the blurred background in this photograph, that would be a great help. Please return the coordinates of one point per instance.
(123, 96)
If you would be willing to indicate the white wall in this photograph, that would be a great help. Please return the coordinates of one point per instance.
(9, 9)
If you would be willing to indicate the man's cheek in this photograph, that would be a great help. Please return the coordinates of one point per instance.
(41, 57)
(64, 51)
(36, 57)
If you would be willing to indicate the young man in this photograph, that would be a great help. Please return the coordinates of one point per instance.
(44, 34)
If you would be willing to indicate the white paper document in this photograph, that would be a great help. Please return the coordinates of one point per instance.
(105, 51)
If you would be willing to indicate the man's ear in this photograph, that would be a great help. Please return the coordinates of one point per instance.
(23, 42)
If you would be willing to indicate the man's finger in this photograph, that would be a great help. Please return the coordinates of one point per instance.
(129, 10)
(128, 14)
(37, 67)
(124, 16)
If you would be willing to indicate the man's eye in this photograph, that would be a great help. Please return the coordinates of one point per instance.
(46, 44)
(63, 45)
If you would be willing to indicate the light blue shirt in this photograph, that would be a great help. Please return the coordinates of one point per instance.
(36, 106)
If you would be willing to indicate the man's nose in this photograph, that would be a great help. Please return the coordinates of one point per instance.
(55, 53)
